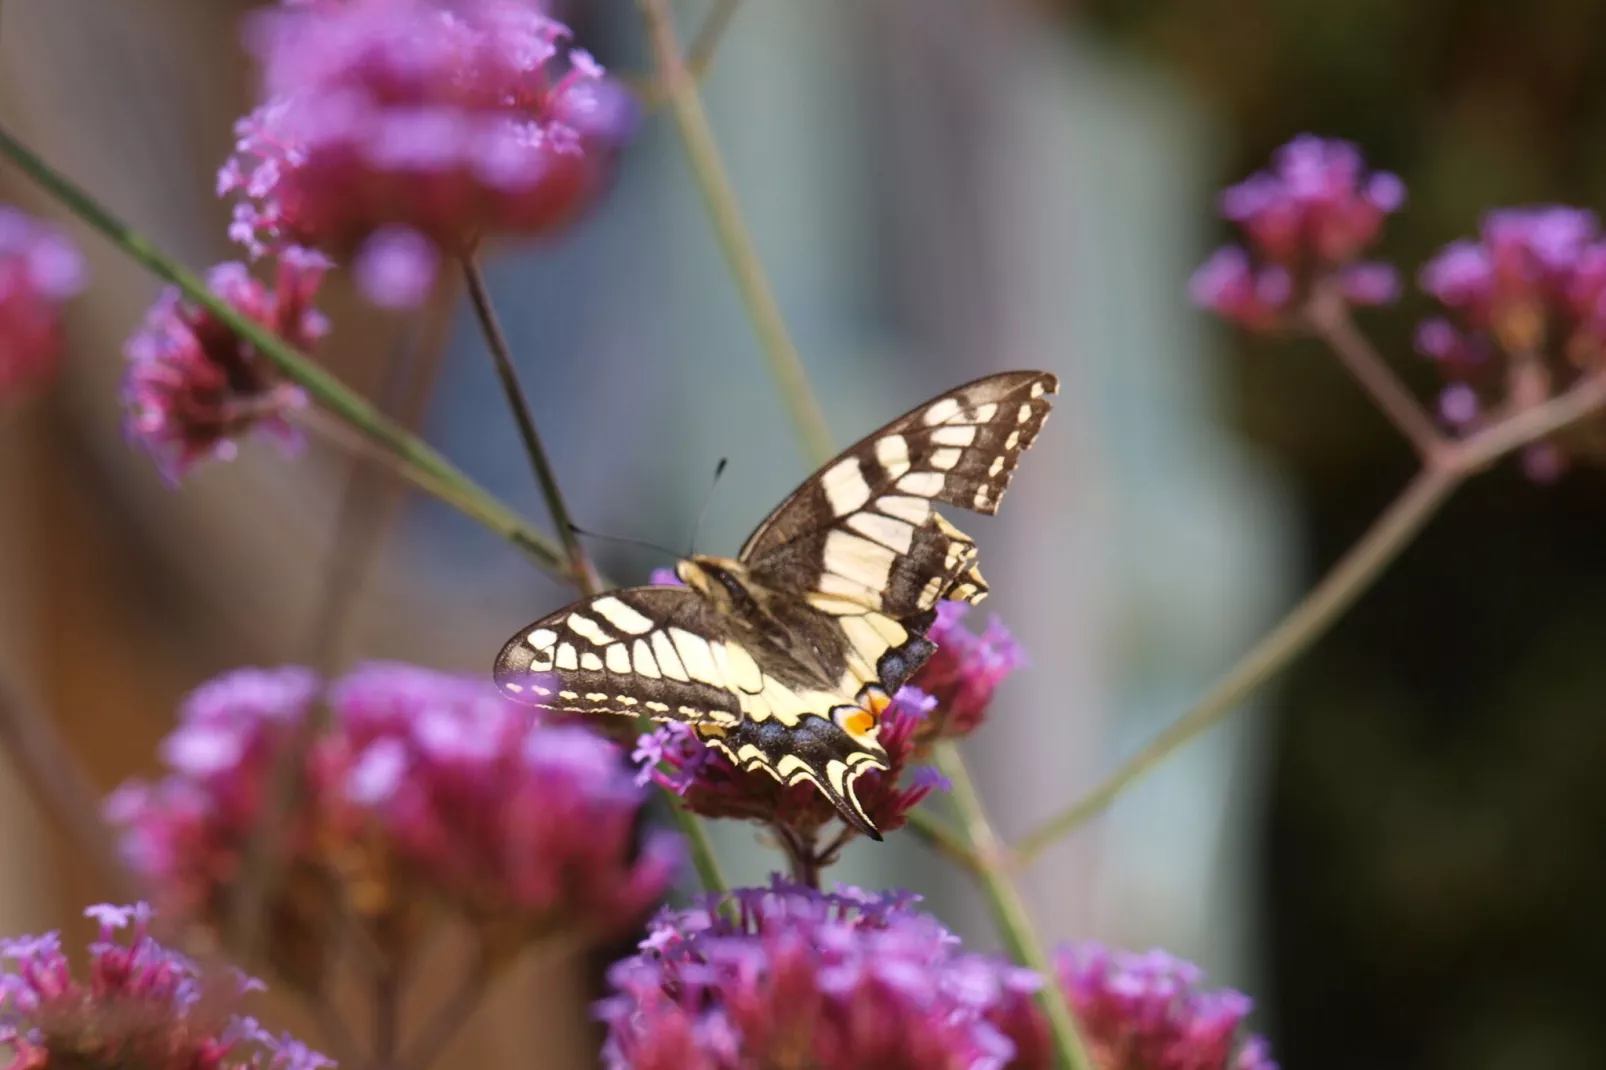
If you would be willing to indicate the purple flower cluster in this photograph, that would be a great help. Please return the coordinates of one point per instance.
(142, 1006)
(1525, 318)
(962, 676)
(788, 976)
(947, 698)
(39, 271)
(423, 789)
(392, 131)
(193, 386)
(1149, 1011)
(1305, 223)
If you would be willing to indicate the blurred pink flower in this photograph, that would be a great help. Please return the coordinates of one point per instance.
(1524, 318)
(787, 976)
(456, 120)
(961, 677)
(1137, 1011)
(39, 271)
(425, 789)
(142, 1006)
(194, 387)
(1305, 223)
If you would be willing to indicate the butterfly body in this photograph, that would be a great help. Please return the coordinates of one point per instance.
(785, 657)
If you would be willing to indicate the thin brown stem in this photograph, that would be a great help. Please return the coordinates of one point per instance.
(444, 1024)
(1006, 904)
(61, 788)
(502, 356)
(387, 1017)
(802, 853)
(1329, 319)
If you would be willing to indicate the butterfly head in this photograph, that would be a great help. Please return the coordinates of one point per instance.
(721, 580)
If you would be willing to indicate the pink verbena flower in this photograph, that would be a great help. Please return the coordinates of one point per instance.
(966, 670)
(423, 791)
(1525, 318)
(194, 387)
(449, 120)
(789, 976)
(39, 270)
(142, 1006)
(1145, 1011)
(1305, 224)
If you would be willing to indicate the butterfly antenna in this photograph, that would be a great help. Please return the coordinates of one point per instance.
(578, 530)
(719, 470)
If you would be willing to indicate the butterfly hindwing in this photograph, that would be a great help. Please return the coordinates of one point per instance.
(666, 654)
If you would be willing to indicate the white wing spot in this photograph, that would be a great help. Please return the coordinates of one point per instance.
(985, 413)
(657, 707)
(892, 451)
(844, 485)
(588, 629)
(910, 510)
(668, 661)
(996, 467)
(641, 659)
(738, 667)
(982, 494)
(696, 657)
(596, 696)
(930, 593)
(1038, 389)
(623, 616)
(1024, 414)
(590, 662)
(617, 658)
(858, 559)
(1012, 441)
(940, 413)
(567, 659)
(946, 459)
(895, 535)
(922, 484)
(542, 638)
(954, 436)
(568, 696)
(624, 700)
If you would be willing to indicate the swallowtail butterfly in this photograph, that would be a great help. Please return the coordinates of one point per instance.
(785, 657)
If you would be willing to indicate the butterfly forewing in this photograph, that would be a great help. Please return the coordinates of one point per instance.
(863, 529)
(840, 585)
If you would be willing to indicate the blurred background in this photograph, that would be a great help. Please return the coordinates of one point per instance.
(1398, 849)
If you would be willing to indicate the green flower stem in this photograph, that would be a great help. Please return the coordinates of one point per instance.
(942, 838)
(1354, 573)
(580, 567)
(416, 461)
(734, 240)
(444, 480)
(1309, 620)
(1008, 910)
(1004, 900)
